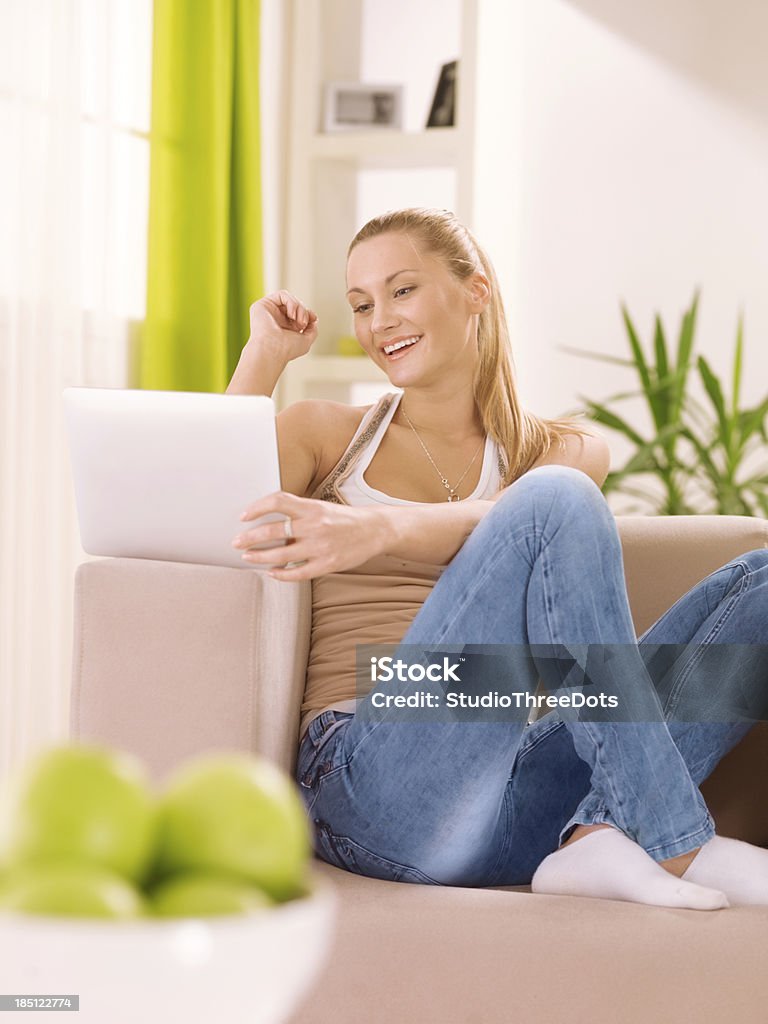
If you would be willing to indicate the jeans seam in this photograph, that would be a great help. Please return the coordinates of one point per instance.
(675, 696)
(502, 541)
(527, 747)
(708, 828)
(602, 816)
(397, 865)
(471, 593)
(613, 804)
(506, 842)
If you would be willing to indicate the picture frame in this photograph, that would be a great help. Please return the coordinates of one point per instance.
(442, 113)
(362, 106)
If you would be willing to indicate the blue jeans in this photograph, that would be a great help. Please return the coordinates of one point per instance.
(481, 803)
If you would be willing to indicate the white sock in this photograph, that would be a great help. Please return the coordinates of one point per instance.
(738, 868)
(608, 865)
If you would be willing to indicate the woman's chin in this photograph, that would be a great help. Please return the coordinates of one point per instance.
(403, 371)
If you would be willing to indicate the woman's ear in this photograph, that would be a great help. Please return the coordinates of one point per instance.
(479, 289)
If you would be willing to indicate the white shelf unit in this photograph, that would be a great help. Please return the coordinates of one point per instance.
(324, 169)
(381, 149)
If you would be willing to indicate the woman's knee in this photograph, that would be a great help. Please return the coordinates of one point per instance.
(562, 490)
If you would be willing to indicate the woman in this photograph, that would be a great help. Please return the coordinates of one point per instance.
(446, 514)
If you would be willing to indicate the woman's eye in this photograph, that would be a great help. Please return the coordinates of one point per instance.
(365, 306)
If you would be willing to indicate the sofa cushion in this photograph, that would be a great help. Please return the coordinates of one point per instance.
(413, 954)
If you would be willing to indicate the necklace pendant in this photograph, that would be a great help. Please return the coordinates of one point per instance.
(453, 497)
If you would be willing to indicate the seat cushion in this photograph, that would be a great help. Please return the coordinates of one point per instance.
(416, 954)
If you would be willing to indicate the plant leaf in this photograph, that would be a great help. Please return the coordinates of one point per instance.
(610, 419)
(645, 377)
(662, 370)
(703, 452)
(684, 348)
(597, 355)
(737, 365)
(715, 392)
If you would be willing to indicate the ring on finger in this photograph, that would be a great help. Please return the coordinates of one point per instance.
(288, 529)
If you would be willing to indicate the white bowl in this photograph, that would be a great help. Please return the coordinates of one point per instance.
(253, 968)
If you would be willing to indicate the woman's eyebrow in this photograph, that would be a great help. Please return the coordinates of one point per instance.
(390, 278)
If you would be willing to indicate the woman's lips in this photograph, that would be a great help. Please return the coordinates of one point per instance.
(400, 352)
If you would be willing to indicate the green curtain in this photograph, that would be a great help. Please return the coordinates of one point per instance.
(205, 261)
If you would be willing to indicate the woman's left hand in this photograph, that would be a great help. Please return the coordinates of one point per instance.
(325, 537)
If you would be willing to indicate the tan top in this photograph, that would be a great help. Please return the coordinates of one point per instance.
(375, 602)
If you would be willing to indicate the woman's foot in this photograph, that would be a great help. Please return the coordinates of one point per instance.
(604, 863)
(739, 869)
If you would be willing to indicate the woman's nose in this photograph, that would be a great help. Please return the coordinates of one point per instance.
(383, 319)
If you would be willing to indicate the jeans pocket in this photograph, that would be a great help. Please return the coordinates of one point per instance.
(343, 852)
(313, 760)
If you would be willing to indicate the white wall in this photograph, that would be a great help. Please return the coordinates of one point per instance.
(638, 163)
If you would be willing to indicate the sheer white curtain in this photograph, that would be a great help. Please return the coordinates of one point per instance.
(74, 119)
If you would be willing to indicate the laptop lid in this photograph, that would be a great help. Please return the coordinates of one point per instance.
(166, 474)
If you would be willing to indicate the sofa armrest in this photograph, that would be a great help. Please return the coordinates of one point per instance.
(171, 659)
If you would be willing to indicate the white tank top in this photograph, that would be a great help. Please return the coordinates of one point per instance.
(352, 487)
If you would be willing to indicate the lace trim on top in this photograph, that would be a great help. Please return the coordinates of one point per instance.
(328, 489)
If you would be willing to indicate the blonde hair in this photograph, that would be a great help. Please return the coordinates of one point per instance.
(521, 436)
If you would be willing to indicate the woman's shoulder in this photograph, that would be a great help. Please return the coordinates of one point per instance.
(317, 417)
(317, 430)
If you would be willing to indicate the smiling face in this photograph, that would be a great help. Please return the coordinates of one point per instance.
(401, 293)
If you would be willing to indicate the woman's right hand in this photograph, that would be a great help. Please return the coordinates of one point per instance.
(281, 321)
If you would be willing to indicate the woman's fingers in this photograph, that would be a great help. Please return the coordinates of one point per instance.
(276, 556)
(306, 318)
(292, 574)
(282, 566)
(275, 532)
(283, 502)
(294, 311)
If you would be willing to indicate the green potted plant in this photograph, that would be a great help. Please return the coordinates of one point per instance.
(698, 453)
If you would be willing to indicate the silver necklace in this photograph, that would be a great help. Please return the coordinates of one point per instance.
(452, 491)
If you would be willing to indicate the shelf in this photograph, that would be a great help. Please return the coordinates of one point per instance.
(386, 148)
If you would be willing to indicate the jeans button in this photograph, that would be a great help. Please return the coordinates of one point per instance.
(325, 768)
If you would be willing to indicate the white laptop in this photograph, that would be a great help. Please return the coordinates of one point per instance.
(166, 474)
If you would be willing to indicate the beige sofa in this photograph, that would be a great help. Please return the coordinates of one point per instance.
(173, 659)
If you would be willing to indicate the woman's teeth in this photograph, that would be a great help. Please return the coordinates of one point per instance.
(405, 343)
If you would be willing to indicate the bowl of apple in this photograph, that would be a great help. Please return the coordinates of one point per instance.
(195, 900)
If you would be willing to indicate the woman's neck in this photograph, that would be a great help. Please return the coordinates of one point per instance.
(450, 412)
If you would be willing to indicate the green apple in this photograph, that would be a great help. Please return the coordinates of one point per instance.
(70, 889)
(234, 814)
(82, 804)
(198, 894)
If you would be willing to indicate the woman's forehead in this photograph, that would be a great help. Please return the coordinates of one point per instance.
(377, 258)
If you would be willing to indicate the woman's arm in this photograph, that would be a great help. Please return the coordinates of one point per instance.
(332, 538)
(282, 329)
(431, 532)
(258, 371)
(434, 533)
(588, 453)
